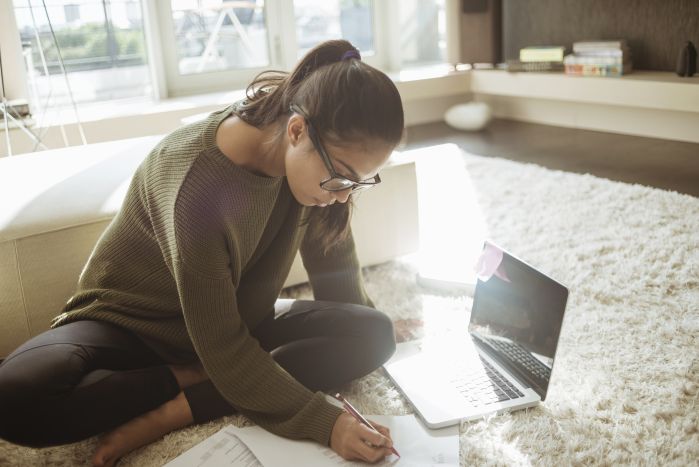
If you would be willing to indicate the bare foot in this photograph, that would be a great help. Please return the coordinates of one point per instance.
(189, 375)
(142, 430)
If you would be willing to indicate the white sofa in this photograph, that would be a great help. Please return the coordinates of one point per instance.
(55, 204)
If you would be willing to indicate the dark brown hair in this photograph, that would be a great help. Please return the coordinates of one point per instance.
(348, 102)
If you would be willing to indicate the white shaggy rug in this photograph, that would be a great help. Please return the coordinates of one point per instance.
(625, 388)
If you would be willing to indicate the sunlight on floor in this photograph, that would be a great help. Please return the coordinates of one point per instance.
(444, 317)
(500, 440)
(452, 229)
(452, 225)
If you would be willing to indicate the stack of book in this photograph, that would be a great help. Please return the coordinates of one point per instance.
(17, 108)
(539, 58)
(604, 58)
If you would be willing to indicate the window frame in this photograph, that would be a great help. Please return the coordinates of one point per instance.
(282, 49)
(15, 81)
(208, 81)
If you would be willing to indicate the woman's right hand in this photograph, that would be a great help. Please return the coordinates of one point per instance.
(355, 441)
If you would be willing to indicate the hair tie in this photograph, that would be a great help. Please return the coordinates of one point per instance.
(352, 53)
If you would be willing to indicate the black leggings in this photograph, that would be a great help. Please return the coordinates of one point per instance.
(87, 377)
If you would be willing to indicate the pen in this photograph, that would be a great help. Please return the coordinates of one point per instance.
(352, 411)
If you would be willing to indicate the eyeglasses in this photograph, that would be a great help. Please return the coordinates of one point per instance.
(336, 182)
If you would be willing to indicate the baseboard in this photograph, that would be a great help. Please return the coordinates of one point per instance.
(651, 123)
(431, 109)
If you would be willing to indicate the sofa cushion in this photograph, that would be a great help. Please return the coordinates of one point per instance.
(60, 188)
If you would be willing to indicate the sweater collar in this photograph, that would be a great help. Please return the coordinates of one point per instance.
(211, 124)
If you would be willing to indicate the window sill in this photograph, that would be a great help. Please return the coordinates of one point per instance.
(413, 84)
(93, 112)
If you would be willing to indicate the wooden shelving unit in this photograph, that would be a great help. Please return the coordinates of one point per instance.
(644, 89)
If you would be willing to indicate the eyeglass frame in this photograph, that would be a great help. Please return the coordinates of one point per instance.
(357, 185)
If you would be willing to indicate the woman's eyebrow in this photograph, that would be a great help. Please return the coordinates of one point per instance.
(349, 169)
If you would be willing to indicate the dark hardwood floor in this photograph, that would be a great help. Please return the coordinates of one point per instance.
(670, 165)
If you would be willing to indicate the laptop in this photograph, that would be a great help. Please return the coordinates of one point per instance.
(502, 362)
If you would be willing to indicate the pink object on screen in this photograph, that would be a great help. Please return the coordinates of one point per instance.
(489, 264)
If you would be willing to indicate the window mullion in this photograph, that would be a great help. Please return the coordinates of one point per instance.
(387, 33)
(453, 28)
(284, 33)
(14, 71)
(154, 41)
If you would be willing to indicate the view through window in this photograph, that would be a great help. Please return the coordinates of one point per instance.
(321, 20)
(102, 44)
(422, 25)
(215, 35)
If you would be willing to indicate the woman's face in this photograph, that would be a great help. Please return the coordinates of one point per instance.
(305, 169)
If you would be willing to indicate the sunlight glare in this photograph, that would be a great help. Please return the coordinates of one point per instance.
(452, 224)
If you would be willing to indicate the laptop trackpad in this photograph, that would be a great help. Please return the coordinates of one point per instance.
(423, 371)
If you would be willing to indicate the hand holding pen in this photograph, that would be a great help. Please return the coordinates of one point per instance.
(376, 438)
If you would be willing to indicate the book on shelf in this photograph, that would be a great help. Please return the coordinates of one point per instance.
(552, 53)
(589, 46)
(599, 58)
(603, 52)
(593, 60)
(17, 108)
(597, 70)
(518, 65)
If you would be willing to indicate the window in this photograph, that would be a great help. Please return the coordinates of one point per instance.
(200, 46)
(219, 36)
(320, 20)
(101, 42)
(422, 32)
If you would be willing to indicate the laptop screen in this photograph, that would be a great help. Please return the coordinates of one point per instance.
(517, 315)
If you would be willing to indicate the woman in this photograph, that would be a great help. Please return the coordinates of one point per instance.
(176, 318)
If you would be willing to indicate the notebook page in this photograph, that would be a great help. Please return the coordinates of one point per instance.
(417, 445)
(223, 448)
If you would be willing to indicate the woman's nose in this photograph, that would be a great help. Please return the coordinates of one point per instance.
(343, 196)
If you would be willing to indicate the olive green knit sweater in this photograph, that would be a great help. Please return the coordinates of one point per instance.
(196, 258)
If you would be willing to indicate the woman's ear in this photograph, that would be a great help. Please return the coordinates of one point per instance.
(295, 128)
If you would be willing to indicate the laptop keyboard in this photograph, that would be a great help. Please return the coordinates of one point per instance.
(484, 385)
(518, 354)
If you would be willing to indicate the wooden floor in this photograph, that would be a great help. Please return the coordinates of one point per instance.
(670, 165)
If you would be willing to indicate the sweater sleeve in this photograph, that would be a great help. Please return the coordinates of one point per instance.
(205, 270)
(336, 275)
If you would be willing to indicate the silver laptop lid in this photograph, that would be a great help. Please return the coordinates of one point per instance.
(517, 315)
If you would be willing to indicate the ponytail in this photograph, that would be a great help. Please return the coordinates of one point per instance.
(272, 92)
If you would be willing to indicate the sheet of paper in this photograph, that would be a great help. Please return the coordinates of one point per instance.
(417, 445)
(221, 448)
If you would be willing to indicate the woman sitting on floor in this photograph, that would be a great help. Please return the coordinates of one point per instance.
(176, 319)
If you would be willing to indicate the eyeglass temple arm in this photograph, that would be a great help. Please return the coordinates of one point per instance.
(315, 140)
(323, 155)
